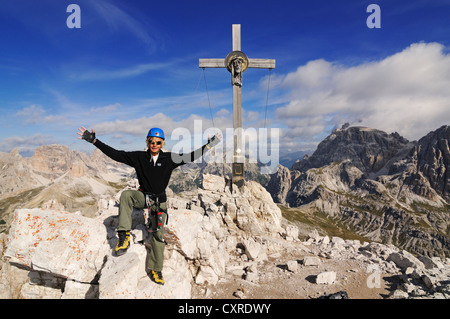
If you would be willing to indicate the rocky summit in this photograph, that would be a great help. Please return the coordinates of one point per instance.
(221, 243)
(377, 185)
(369, 149)
(71, 254)
(365, 216)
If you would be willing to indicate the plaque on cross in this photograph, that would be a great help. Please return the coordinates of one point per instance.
(237, 63)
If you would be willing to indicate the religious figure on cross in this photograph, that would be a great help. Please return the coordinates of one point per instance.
(236, 71)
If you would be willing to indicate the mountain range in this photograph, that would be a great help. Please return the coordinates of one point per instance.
(54, 172)
(380, 186)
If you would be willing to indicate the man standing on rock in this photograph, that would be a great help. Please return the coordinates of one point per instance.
(153, 169)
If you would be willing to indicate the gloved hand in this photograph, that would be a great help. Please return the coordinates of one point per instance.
(87, 136)
(213, 141)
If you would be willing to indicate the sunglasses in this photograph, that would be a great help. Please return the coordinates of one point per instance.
(156, 143)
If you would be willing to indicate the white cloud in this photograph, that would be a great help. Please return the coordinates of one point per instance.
(31, 114)
(407, 92)
(25, 143)
(120, 73)
(105, 109)
(35, 114)
(223, 112)
(140, 126)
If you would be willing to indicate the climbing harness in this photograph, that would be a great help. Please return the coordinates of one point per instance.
(158, 212)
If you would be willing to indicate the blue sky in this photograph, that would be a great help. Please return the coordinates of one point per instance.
(133, 65)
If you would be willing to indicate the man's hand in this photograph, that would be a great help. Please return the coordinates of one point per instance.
(213, 141)
(86, 135)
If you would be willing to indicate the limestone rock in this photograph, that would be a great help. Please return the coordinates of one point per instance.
(291, 232)
(292, 265)
(280, 184)
(125, 277)
(311, 261)
(252, 249)
(380, 185)
(368, 149)
(213, 235)
(326, 278)
(404, 260)
(61, 243)
(432, 155)
(213, 183)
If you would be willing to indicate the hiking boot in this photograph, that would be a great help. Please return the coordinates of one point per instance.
(156, 277)
(123, 243)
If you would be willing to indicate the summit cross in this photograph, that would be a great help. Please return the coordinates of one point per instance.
(237, 63)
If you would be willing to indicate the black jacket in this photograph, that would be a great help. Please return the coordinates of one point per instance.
(152, 178)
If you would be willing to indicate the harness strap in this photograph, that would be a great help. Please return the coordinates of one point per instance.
(148, 198)
(161, 197)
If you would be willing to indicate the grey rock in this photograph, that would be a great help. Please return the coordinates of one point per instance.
(380, 185)
(404, 260)
(326, 278)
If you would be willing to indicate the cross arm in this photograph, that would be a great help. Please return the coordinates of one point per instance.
(212, 63)
(261, 63)
(253, 63)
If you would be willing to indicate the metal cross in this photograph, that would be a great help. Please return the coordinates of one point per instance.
(237, 63)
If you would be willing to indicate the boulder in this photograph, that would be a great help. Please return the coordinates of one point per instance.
(125, 277)
(64, 244)
(252, 249)
(311, 261)
(292, 265)
(291, 232)
(337, 295)
(337, 242)
(431, 263)
(326, 278)
(213, 183)
(75, 253)
(405, 259)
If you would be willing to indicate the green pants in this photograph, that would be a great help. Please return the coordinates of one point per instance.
(130, 199)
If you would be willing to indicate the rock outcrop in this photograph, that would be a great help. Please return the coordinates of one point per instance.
(73, 178)
(214, 236)
(202, 234)
(48, 164)
(368, 149)
(380, 186)
(431, 157)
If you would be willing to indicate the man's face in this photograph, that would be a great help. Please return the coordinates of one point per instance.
(155, 144)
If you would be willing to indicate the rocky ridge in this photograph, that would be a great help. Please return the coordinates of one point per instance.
(220, 244)
(73, 178)
(377, 185)
(369, 149)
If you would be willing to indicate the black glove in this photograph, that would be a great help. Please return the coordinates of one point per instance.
(88, 136)
(213, 141)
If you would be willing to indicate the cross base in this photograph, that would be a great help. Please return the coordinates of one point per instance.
(238, 174)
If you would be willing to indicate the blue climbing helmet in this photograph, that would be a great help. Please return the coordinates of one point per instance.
(156, 132)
